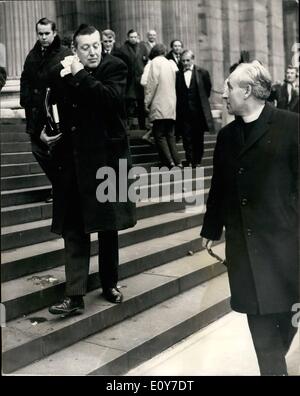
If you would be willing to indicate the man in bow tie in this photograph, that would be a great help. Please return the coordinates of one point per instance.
(194, 115)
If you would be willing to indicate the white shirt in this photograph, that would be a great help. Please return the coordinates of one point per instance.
(188, 76)
(254, 116)
(289, 87)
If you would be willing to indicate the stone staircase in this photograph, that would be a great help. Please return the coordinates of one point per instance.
(171, 287)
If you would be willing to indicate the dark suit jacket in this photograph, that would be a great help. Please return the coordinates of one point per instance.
(280, 94)
(90, 107)
(254, 195)
(171, 57)
(204, 87)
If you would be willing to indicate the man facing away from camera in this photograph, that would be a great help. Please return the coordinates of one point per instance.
(89, 92)
(254, 195)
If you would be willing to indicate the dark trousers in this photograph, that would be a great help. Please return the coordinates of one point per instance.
(164, 134)
(42, 155)
(135, 107)
(77, 254)
(193, 137)
(272, 336)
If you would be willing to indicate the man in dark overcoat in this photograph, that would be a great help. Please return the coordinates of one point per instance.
(254, 193)
(137, 54)
(89, 92)
(286, 95)
(46, 53)
(194, 115)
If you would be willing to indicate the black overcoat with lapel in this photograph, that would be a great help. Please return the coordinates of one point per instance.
(254, 195)
(90, 107)
(33, 82)
(203, 83)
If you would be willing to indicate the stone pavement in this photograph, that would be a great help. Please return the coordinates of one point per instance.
(223, 348)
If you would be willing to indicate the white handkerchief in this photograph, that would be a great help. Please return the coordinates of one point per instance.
(65, 71)
(67, 61)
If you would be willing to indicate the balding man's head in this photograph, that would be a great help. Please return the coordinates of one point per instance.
(151, 36)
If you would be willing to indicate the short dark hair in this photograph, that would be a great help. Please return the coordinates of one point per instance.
(157, 50)
(173, 41)
(46, 21)
(82, 30)
(131, 31)
(294, 68)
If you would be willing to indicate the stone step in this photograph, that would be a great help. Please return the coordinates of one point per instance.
(24, 196)
(24, 343)
(13, 137)
(49, 254)
(26, 234)
(20, 169)
(23, 156)
(40, 179)
(33, 167)
(20, 196)
(28, 294)
(19, 214)
(124, 346)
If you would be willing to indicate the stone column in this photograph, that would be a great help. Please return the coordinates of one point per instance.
(253, 25)
(275, 39)
(231, 33)
(20, 18)
(211, 50)
(141, 15)
(180, 21)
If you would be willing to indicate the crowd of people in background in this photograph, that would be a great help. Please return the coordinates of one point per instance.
(165, 91)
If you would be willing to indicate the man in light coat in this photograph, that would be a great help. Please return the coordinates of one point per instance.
(160, 102)
(254, 195)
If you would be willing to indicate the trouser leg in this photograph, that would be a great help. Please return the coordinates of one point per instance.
(198, 143)
(171, 140)
(287, 330)
(141, 113)
(77, 258)
(108, 258)
(161, 142)
(268, 344)
(187, 140)
(77, 247)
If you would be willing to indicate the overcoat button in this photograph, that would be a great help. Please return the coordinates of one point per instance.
(73, 129)
(244, 201)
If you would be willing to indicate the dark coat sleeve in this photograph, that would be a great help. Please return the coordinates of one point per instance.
(206, 82)
(108, 93)
(214, 220)
(25, 84)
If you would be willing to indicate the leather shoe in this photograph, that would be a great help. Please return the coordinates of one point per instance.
(113, 295)
(68, 306)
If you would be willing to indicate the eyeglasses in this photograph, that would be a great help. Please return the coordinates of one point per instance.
(214, 255)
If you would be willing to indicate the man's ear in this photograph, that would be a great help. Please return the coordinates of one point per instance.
(248, 91)
(73, 48)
